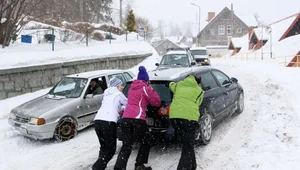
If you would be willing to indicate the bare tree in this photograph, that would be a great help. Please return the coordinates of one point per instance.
(187, 28)
(161, 29)
(144, 22)
(174, 29)
(13, 15)
(76, 10)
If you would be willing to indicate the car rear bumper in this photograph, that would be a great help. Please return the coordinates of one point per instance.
(33, 131)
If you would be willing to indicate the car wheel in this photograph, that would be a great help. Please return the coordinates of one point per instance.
(240, 103)
(66, 129)
(203, 134)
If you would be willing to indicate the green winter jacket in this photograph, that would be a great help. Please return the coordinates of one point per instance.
(187, 99)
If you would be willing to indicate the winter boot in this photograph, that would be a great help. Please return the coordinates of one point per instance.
(142, 167)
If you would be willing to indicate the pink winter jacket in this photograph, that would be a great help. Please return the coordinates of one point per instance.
(139, 96)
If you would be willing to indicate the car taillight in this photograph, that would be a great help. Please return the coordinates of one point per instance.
(164, 111)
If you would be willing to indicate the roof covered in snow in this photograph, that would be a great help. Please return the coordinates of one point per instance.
(261, 33)
(284, 50)
(175, 39)
(177, 52)
(240, 42)
(198, 48)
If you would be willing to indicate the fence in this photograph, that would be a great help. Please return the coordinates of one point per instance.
(50, 39)
(288, 60)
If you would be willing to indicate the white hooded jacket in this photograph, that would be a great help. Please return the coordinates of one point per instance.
(112, 102)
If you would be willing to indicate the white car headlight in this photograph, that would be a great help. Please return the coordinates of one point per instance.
(206, 60)
(12, 115)
(37, 121)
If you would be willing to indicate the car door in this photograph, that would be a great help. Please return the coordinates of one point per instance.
(213, 95)
(92, 103)
(229, 88)
(191, 58)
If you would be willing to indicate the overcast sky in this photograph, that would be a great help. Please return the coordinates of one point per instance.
(179, 11)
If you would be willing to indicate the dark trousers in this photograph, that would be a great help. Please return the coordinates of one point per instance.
(134, 130)
(107, 135)
(186, 130)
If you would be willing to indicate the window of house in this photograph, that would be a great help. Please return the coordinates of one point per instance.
(229, 30)
(239, 31)
(221, 30)
(212, 31)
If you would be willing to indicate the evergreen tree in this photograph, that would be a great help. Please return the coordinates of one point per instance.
(130, 22)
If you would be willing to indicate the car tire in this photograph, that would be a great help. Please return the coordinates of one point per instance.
(204, 132)
(240, 103)
(66, 129)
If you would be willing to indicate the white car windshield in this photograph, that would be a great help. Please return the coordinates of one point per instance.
(69, 87)
(175, 59)
(199, 52)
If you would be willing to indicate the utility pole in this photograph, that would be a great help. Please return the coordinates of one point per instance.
(198, 22)
(262, 41)
(121, 13)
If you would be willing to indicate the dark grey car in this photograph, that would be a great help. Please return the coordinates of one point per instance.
(66, 108)
(223, 96)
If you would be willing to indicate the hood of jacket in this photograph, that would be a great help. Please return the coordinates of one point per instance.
(110, 91)
(138, 84)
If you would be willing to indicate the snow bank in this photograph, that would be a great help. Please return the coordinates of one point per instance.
(99, 50)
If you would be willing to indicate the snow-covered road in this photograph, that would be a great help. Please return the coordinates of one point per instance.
(265, 136)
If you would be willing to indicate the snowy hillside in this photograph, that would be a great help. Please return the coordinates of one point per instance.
(266, 136)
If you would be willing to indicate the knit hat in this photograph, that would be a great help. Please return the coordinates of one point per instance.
(115, 82)
(143, 75)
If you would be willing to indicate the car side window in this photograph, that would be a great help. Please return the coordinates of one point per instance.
(96, 86)
(119, 76)
(127, 76)
(221, 77)
(208, 82)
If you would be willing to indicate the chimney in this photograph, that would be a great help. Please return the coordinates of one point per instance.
(211, 15)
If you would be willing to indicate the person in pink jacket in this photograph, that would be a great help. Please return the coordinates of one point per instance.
(133, 122)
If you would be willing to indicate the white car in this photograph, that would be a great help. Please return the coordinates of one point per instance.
(175, 58)
(68, 107)
(201, 56)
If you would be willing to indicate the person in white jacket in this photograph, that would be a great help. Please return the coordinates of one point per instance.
(105, 122)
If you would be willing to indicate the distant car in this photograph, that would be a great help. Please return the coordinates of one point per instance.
(176, 58)
(201, 56)
(66, 108)
(223, 96)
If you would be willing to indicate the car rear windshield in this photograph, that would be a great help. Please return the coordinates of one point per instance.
(175, 59)
(199, 52)
(161, 87)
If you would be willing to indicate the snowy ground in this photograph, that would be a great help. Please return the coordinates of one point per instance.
(22, 54)
(265, 136)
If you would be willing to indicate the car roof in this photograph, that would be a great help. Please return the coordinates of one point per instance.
(96, 73)
(171, 74)
(198, 48)
(176, 52)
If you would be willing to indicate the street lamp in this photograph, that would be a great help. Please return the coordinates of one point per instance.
(199, 20)
(269, 31)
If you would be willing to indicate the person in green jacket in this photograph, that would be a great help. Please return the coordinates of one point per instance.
(184, 116)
